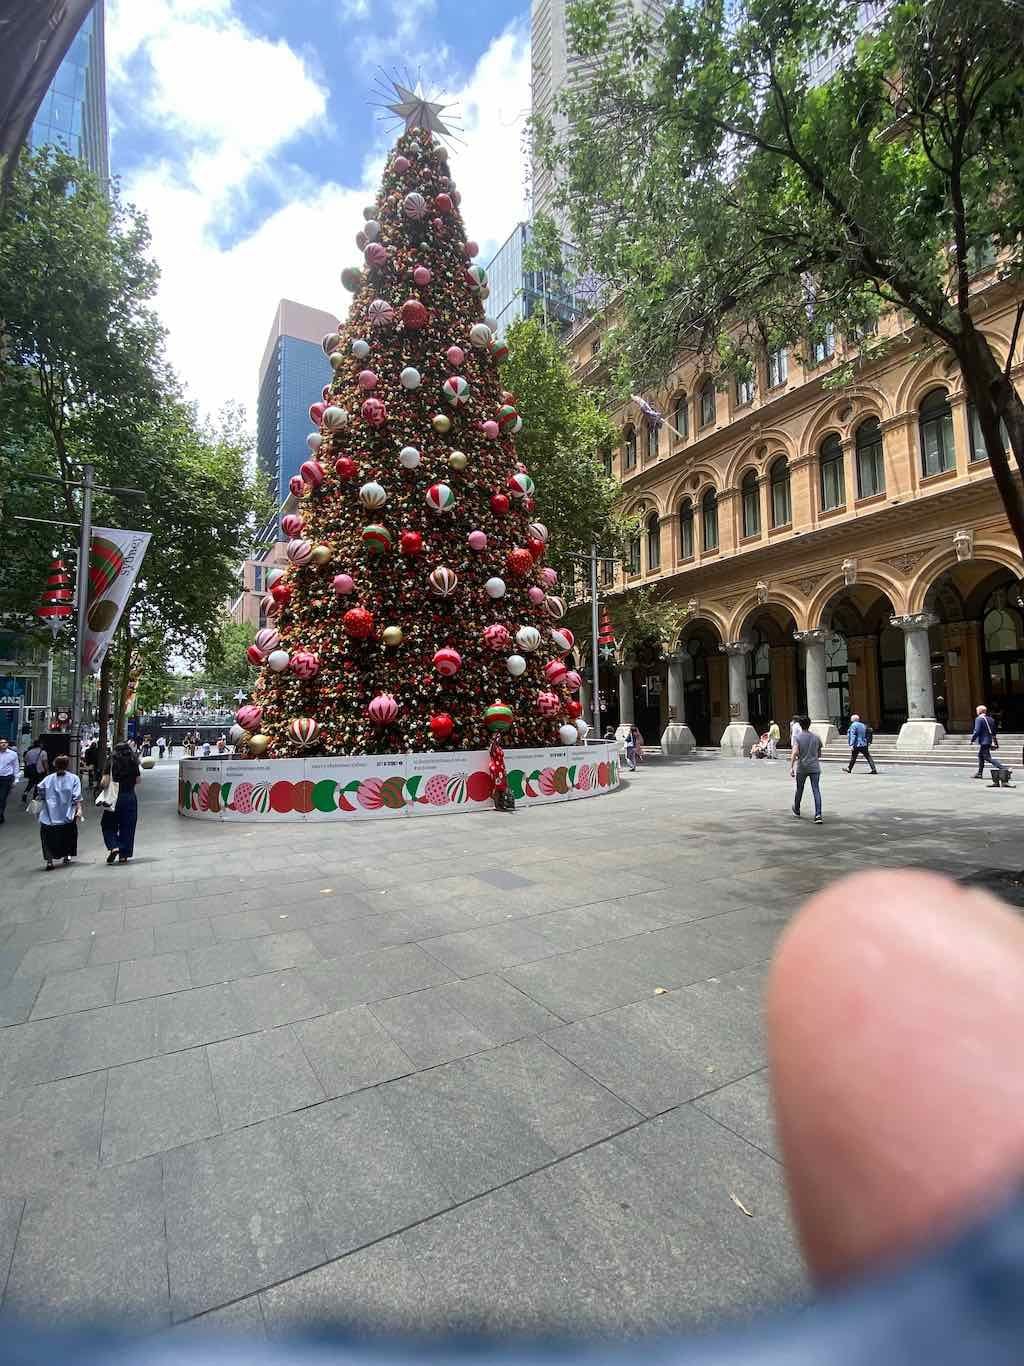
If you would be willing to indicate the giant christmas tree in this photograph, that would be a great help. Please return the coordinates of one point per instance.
(416, 612)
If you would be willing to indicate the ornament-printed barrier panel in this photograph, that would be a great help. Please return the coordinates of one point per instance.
(377, 786)
(364, 787)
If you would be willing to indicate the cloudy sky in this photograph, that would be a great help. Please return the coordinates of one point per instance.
(245, 130)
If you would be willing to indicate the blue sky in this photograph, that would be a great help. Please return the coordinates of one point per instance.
(245, 130)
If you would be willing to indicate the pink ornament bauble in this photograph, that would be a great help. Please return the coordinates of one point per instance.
(401, 164)
(382, 710)
(266, 640)
(249, 717)
(304, 663)
(414, 205)
(471, 249)
(548, 704)
(422, 275)
(343, 584)
(572, 680)
(376, 254)
(312, 473)
(496, 637)
(490, 429)
(477, 540)
(548, 577)
(299, 551)
(555, 671)
(536, 595)
(438, 224)
(562, 639)
(455, 355)
(291, 524)
(367, 379)
(255, 656)
(316, 412)
(447, 662)
(374, 412)
(296, 487)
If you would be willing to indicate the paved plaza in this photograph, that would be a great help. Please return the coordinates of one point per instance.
(499, 1071)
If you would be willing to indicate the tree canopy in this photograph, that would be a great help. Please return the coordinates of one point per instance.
(753, 172)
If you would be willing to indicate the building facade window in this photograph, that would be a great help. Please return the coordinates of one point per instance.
(935, 420)
(979, 451)
(629, 449)
(633, 555)
(778, 367)
(607, 572)
(651, 434)
(981, 255)
(606, 462)
(709, 520)
(782, 511)
(833, 484)
(653, 541)
(707, 403)
(681, 417)
(686, 529)
(823, 347)
(870, 458)
(751, 500)
(744, 392)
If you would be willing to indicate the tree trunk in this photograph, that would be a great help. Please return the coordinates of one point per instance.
(124, 680)
(986, 387)
(106, 668)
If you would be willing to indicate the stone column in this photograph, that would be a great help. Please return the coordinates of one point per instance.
(739, 736)
(677, 738)
(920, 730)
(626, 713)
(813, 643)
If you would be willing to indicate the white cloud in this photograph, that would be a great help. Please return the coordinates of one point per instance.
(233, 100)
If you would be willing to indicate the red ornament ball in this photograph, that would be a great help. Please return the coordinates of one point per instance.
(345, 467)
(281, 592)
(499, 503)
(374, 412)
(519, 561)
(441, 725)
(535, 547)
(358, 623)
(443, 203)
(415, 315)
(574, 708)
(447, 661)
(254, 656)
(411, 543)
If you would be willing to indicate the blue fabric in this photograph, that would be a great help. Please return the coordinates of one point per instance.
(801, 778)
(127, 813)
(5, 792)
(108, 826)
(984, 730)
(60, 793)
(857, 735)
(985, 756)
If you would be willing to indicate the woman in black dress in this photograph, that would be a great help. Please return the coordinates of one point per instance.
(119, 833)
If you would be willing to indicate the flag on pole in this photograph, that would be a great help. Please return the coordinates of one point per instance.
(649, 411)
(114, 560)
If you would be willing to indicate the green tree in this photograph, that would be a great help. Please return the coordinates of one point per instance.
(738, 204)
(565, 433)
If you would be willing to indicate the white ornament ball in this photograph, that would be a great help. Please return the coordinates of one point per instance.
(408, 457)
(516, 665)
(373, 495)
(335, 418)
(278, 660)
(314, 441)
(371, 230)
(360, 348)
(495, 588)
(480, 334)
(237, 734)
(582, 729)
(567, 735)
(411, 377)
(528, 638)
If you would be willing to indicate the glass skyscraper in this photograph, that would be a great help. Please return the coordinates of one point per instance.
(561, 299)
(73, 114)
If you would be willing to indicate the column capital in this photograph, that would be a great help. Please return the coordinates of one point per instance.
(915, 621)
(736, 647)
(676, 657)
(815, 637)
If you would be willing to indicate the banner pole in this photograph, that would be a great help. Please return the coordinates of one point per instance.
(85, 539)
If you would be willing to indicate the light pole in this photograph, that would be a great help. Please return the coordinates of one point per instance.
(595, 698)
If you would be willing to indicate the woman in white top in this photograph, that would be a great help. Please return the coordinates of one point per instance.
(61, 796)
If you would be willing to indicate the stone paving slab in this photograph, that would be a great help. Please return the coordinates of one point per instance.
(502, 1072)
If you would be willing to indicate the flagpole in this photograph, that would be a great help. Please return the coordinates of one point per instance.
(85, 538)
(595, 659)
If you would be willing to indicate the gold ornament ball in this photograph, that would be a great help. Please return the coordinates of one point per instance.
(337, 359)
(258, 745)
(458, 460)
(441, 422)
(392, 635)
(321, 554)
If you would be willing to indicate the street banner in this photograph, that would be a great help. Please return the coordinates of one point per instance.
(114, 560)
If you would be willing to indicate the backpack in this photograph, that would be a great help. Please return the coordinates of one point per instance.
(869, 734)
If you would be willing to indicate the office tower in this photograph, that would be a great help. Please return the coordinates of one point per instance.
(293, 371)
(517, 292)
(73, 114)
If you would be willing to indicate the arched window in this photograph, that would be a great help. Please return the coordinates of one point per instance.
(652, 441)
(629, 449)
(606, 461)
(833, 485)
(751, 504)
(870, 458)
(935, 419)
(782, 512)
(709, 520)
(707, 403)
(607, 572)
(681, 417)
(686, 529)
(979, 451)
(633, 555)
(1004, 630)
(653, 542)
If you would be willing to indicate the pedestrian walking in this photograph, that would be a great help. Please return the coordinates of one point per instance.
(59, 796)
(859, 738)
(119, 832)
(794, 728)
(774, 736)
(630, 748)
(9, 766)
(804, 763)
(161, 745)
(984, 735)
(37, 765)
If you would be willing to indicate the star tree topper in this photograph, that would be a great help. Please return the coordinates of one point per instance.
(417, 111)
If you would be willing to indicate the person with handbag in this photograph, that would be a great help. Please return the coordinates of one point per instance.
(58, 805)
(120, 804)
(984, 736)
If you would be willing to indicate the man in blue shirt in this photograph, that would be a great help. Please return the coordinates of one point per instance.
(8, 774)
(984, 736)
(859, 740)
